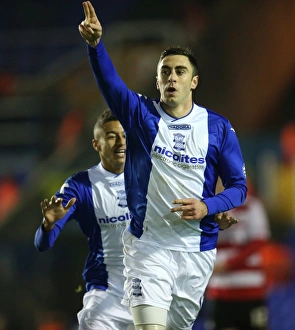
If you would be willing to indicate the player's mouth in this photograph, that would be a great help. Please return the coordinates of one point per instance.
(171, 91)
(120, 152)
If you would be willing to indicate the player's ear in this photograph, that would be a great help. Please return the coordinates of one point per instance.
(157, 83)
(195, 82)
(95, 144)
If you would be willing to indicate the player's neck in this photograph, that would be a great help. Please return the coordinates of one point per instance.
(178, 111)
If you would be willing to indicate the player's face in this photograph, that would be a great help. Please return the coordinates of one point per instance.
(110, 142)
(175, 81)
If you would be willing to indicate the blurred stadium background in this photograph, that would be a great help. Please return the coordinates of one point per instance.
(49, 102)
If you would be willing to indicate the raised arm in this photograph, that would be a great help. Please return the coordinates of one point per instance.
(90, 29)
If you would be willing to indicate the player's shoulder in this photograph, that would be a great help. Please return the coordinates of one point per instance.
(213, 115)
(149, 106)
(217, 123)
(79, 177)
(220, 121)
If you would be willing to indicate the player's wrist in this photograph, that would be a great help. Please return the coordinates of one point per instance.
(46, 225)
(205, 208)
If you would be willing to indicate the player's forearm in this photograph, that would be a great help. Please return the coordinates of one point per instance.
(114, 90)
(44, 240)
(227, 200)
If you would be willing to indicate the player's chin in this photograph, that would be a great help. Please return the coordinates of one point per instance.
(120, 160)
(171, 102)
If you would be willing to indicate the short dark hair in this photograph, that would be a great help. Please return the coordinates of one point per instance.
(103, 118)
(185, 51)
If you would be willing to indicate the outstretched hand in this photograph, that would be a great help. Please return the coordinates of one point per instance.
(90, 29)
(225, 220)
(53, 210)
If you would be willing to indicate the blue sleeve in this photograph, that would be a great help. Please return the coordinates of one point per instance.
(231, 170)
(122, 101)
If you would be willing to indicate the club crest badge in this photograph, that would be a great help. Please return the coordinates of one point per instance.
(179, 142)
(121, 196)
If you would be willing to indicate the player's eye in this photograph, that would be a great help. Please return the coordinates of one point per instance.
(165, 72)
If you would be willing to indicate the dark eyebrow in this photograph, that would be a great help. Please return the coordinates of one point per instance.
(179, 67)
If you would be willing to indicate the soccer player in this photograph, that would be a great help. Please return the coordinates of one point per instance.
(176, 151)
(96, 199)
(237, 290)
